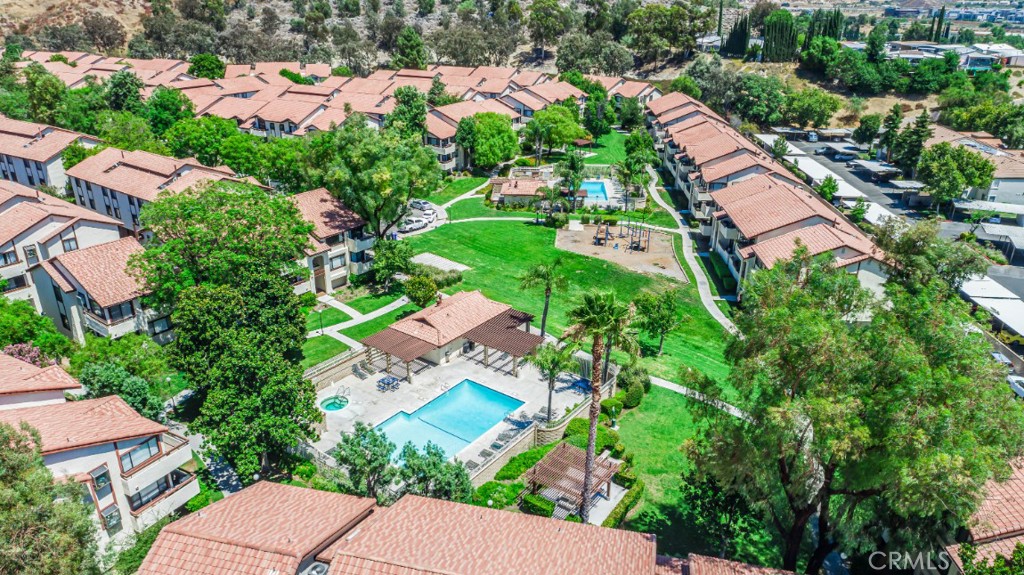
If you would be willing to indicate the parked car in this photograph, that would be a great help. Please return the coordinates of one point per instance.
(1016, 384)
(429, 214)
(421, 205)
(812, 137)
(842, 157)
(411, 225)
(820, 151)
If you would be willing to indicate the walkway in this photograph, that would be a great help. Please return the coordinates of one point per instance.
(223, 474)
(703, 284)
(357, 318)
(698, 396)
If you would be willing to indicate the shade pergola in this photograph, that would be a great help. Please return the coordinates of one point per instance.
(562, 469)
(503, 334)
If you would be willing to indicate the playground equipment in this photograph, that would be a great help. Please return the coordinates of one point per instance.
(602, 234)
(639, 235)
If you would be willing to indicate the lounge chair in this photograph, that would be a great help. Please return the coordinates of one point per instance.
(498, 445)
(471, 465)
(486, 454)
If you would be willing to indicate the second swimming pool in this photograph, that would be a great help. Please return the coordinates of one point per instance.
(451, 420)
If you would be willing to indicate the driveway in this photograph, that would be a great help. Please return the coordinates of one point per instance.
(884, 195)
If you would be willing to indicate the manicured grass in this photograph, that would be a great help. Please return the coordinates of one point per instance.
(359, 331)
(455, 189)
(720, 273)
(655, 432)
(373, 302)
(319, 349)
(500, 252)
(659, 217)
(331, 316)
(475, 208)
(608, 149)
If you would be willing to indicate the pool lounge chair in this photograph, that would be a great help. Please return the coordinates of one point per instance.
(498, 445)
(471, 465)
(486, 454)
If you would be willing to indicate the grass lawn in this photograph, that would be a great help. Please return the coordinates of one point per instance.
(373, 302)
(500, 252)
(455, 189)
(475, 208)
(359, 331)
(319, 349)
(331, 316)
(655, 432)
(608, 149)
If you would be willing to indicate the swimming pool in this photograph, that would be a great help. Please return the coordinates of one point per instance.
(596, 190)
(451, 420)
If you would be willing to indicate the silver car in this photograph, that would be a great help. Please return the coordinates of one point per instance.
(411, 225)
(429, 214)
(420, 205)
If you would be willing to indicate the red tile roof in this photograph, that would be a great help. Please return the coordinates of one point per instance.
(76, 424)
(493, 72)
(10, 190)
(458, 313)
(26, 215)
(761, 204)
(366, 86)
(17, 376)
(37, 142)
(703, 565)
(632, 89)
(1002, 511)
(818, 239)
(287, 111)
(439, 128)
(263, 529)
(103, 270)
(518, 188)
(328, 214)
(556, 91)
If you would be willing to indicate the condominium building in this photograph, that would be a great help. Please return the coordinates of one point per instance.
(30, 154)
(340, 242)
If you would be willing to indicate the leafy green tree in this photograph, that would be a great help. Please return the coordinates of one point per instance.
(44, 524)
(598, 117)
(632, 174)
(137, 353)
(425, 7)
(124, 91)
(409, 50)
(639, 144)
(867, 130)
(820, 55)
(165, 107)
(891, 126)
(465, 137)
(739, 38)
(208, 233)
(245, 154)
(547, 21)
(780, 37)
(127, 131)
(828, 188)
(718, 85)
(780, 147)
(723, 518)
(45, 93)
(876, 50)
(437, 96)
(80, 107)
(549, 277)
(200, 138)
(495, 141)
(812, 106)
(421, 290)
(686, 85)
(649, 32)
(206, 66)
(948, 170)
(76, 152)
(431, 474)
(631, 114)
(556, 127)
(365, 456)
(409, 118)
(659, 314)
(103, 379)
(377, 172)
(762, 99)
(19, 323)
(552, 360)
(392, 257)
(598, 317)
(910, 144)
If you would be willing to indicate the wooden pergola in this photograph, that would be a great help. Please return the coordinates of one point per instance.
(502, 333)
(562, 470)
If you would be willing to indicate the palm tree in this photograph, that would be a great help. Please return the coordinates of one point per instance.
(631, 174)
(547, 200)
(544, 275)
(599, 317)
(552, 361)
(537, 132)
(570, 170)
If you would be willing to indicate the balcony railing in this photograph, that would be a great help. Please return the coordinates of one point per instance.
(357, 268)
(175, 454)
(360, 243)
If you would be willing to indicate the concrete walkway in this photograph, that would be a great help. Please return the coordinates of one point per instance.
(703, 283)
(357, 318)
(698, 396)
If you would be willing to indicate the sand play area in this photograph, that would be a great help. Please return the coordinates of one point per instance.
(658, 259)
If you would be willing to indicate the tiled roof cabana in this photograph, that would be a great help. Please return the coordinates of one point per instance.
(562, 470)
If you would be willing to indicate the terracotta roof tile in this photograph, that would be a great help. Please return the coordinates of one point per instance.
(37, 142)
(17, 376)
(441, 323)
(452, 70)
(10, 190)
(526, 78)
(528, 99)
(328, 214)
(556, 91)
(703, 565)
(631, 89)
(988, 551)
(102, 270)
(761, 204)
(606, 82)
(287, 111)
(519, 187)
(26, 215)
(818, 239)
(240, 85)
(76, 424)
(439, 128)
(238, 109)
(493, 72)
(236, 70)
(459, 110)
(493, 85)
(276, 67)
(1002, 511)
(421, 84)
(366, 86)
(413, 73)
(141, 174)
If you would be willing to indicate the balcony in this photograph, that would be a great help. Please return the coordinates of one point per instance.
(184, 486)
(176, 453)
(443, 150)
(449, 165)
(360, 243)
(358, 268)
(109, 328)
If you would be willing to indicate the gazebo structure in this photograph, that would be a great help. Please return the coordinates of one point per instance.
(560, 475)
(455, 325)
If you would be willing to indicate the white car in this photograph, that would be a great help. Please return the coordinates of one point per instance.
(420, 205)
(411, 225)
(1016, 384)
(429, 214)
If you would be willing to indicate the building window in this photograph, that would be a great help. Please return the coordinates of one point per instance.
(31, 255)
(337, 262)
(70, 244)
(112, 518)
(139, 454)
(100, 478)
(8, 258)
(121, 311)
(15, 283)
(161, 325)
(149, 493)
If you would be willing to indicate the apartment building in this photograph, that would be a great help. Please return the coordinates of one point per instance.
(340, 242)
(285, 530)
(1006, 192)
(131, 469)
(532, 99)
(35, 227)
(30, 154)
(443, 122)
(118, 183)
(91, 291)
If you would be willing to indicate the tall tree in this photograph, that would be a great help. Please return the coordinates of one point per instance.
(165, 107)
(548, 20)
(631, 113)
(659, 314)
(465, 138)
(555, 126)
(206, 66)
(409, 117)
(570, 172)
(44, 525)
(891, 124)
(365, 456)
(780, 37)
(430, 474)
(20, 323)
(410, 52)
(494, 140)
(949, 170)
(910, 144)
(548, 277)
(124, 91)
(103, 379)
(45, 93)
(867, 130)
(552, 360)
(739, 37)
(922, 257)
(599, 316)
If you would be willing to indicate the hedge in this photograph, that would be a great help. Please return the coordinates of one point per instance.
(626, 478)
(520, 463)
(607, 405)
(634, 395)
(629, 500)
(500, 495)
(579, 428)
(537, 505)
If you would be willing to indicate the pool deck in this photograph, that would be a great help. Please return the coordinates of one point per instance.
(614, 194)
(373, 407)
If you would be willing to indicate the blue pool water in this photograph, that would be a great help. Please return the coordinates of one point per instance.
(451, 420)
(596, 191)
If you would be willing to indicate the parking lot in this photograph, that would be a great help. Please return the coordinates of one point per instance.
(882, 194)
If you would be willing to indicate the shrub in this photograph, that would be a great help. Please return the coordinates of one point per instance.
(295, 77)
(421, 290)
(523, 162)
(537, 505)
(342, 71)
(612, 222)
(556, 221)
(634, 395)
(129, 560)
(585, 219)
(520, 463)
(634, 375)
(626, 478)
(500, 495)
(618, 450)
(305, 470)
(307, 299)
(321, 483)
(610, 404)
(574, 519)
(578, 429)
(628, 502)
(198, 502)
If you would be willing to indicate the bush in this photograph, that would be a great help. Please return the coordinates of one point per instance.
(628, 502)
(578, 429)
(198, 502)
(574, 519)
(618, 450)
(585, 219)
(612, 222)
(129, 560)
(523, 162)
(421, 290)
(305, 470)
(634, 375)
(626, 478)
(537, 505)
(520, 463)
(634, 395)
(501, 495)
(611, 404)
(556, 221)
(441, 278)
(342, 71)
(307, 299)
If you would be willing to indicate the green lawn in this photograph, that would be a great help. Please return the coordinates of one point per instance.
(608, 149)
(655, 432)
(475, 208)
(455, 189)
(359, 331)
(499, 253)
(373, 302)
(331, 316)
(319, 349)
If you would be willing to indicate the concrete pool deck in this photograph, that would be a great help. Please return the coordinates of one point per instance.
(373, 407)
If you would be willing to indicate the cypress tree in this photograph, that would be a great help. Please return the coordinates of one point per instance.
(931, 31)
(938, 28)
(945, 32)
(780, 37)
(739, 37)
(721, 6)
